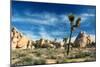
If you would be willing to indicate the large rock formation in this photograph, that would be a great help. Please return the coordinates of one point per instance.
(21, 41)
(82, 40)
(43, 43)
(18, 40)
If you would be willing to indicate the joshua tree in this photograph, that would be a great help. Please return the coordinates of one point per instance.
(65, 39)
(73, 25)
(65, 42)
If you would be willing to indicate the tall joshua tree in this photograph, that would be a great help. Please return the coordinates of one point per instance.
(73, 25)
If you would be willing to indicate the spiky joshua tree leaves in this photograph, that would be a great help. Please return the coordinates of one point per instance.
(73, 24)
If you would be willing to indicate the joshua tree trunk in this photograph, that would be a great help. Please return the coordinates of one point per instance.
(69, 41)
(73, 26)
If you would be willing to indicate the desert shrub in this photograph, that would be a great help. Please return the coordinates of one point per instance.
(89, 59)
(30, 61)
(93, 54)
(82, 55)
(18, 63)
(59, 61)
(21, 55)
(18, 54)
(38, 54)
(27, 59)
(24, 61)
(65, 60)
(51, 56)
(39, 61)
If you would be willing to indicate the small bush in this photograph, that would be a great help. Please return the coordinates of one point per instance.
(59, 61)
(39, 61)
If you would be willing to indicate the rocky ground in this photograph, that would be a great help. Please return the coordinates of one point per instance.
(40, 56)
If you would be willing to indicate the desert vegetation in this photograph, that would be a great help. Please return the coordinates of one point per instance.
(51, 56)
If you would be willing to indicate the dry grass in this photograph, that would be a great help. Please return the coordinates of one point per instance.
(51, 56)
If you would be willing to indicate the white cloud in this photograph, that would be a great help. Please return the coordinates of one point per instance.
(58, 33)
(29, 20)
(87, 14)
(73, 38)
(44, 34)
(42, 18)
(64, 18)
(32, 36)
(92, 37)
(28, 34)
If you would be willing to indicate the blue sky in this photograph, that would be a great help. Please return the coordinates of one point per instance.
(44, 20)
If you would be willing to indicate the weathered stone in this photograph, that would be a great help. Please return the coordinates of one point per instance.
(18, 40)
(82, 40)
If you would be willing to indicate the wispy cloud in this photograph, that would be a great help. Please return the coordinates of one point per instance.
(47, 18)
(87, 14)
(29, 34)
(41, 18)
(44, 34)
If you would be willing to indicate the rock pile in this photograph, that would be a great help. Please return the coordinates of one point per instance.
(18, 40)
(82, 40)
